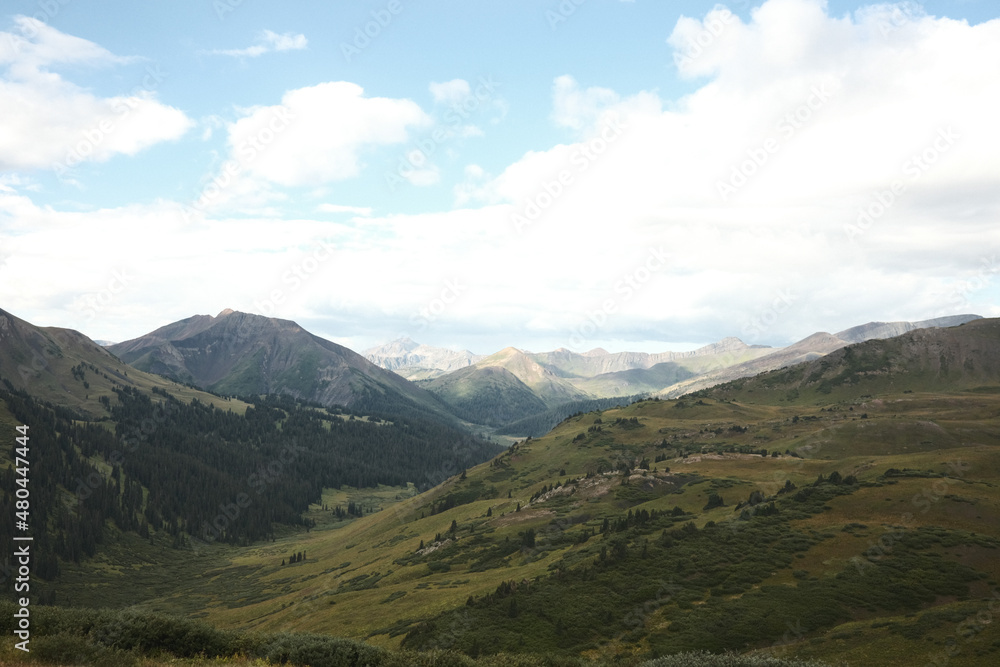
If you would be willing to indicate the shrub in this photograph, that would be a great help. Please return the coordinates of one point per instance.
(703, 659)
(323, 651)
(67, 649)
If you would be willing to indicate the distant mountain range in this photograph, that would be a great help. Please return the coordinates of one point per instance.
(414, 361)
(807, 349)
(514, 384)
(242, 354)
(925, 359)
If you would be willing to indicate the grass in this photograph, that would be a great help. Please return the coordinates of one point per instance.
(364, 578)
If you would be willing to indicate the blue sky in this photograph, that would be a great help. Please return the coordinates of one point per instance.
(632, 175)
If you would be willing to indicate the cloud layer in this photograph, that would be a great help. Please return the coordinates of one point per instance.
(824, 171)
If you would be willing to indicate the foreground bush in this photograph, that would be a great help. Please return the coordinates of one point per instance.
(61, 636)
(702, 659)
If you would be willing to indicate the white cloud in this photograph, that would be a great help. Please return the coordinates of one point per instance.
(36, 46)
(427, 176)
(364, 211)
(804, 119)
(466, 101)
(48, 122)
(267, 42)
(450, 92)
(848, 107)
(575, 108)
(319, 134)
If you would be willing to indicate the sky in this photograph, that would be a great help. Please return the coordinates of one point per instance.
(633, 175)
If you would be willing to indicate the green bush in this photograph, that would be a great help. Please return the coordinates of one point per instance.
(702, 659)
(68, 649)
(150, 633)
(323, 651)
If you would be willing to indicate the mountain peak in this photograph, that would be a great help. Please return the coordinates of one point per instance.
(410, 359)
(227, 311)
(406, 343)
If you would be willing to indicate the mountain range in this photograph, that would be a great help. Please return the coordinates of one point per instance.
(844, 508)
(515, 384)
(241, 354)
(849, 493)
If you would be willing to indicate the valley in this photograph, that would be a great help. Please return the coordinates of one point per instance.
(844, 509)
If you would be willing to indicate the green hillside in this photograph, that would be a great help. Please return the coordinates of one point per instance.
(66, 368)
(636, 380)
(492, 395)
(961, 357)
(846, 510)
(555, 578)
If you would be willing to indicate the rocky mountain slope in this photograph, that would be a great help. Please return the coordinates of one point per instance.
(241, 353)
(66, 368)
(415, 361)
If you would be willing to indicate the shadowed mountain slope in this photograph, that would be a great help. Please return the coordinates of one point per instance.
(246, 354)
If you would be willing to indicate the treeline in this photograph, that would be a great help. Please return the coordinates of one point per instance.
(203, 474)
